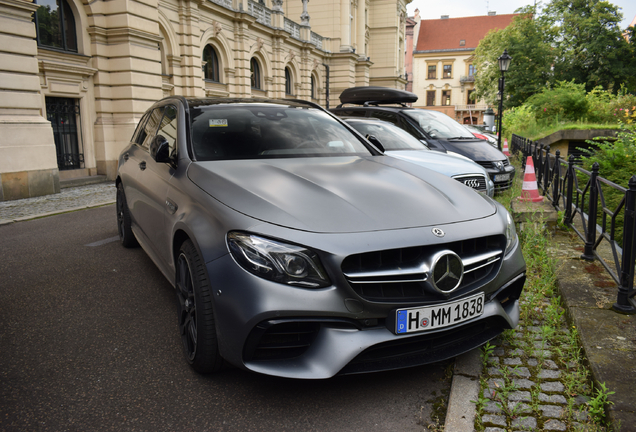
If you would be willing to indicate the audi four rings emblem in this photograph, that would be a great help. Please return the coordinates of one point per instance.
(473, 183)
(438, 232)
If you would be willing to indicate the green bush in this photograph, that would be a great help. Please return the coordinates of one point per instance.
(617, 163)
(518, 120)
(565, 102)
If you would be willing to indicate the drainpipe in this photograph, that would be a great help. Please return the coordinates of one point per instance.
(327, 82)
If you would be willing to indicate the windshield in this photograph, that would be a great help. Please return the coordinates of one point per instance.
(258, 131)
(391, 137)
(438, 125)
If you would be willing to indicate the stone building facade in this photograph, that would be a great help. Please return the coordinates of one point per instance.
(77, 75)
(443, 70)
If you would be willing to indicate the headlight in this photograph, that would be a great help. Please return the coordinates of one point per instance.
(277, 261)
(511, 233)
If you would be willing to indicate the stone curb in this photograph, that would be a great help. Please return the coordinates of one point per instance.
(55, 212)
(461, 412)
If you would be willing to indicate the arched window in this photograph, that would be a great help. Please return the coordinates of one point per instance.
(288, 82)
(313, 87)
(255, 71)
(56, 25)
(211, 67)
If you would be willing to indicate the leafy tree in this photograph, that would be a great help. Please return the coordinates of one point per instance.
(526, 42)
(566, 101)
(589, 43)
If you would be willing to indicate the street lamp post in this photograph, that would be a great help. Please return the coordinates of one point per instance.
(504, 64)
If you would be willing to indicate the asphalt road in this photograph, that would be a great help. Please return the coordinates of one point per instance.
(88, 342)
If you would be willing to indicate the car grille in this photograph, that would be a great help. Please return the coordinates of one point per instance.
(491, 164)
(273, 340)
(500, 186)
(426, 348)
(475, 182)
(400, 275)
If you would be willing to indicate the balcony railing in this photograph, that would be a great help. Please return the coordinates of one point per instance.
(292, 28)
(466, 79)
(316, 39)
(224, 3)
(477, 107)
(263, 15)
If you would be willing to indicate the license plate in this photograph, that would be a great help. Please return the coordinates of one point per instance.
(435, 317)
(502, 177)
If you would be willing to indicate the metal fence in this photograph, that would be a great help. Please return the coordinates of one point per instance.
(582, 196)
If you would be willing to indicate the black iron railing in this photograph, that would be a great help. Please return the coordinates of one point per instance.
(583, 197)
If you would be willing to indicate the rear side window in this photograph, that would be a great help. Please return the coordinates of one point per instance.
(168, 127)
(407, 126)
(140, 133)
(387, 116)
(151, 126)
(351, 113)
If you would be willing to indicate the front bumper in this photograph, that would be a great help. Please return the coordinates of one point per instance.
(292, 332)
(501, 185)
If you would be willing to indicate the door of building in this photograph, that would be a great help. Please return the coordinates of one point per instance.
(64, 115)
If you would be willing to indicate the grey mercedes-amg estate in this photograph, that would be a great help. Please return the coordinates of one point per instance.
(297, 249)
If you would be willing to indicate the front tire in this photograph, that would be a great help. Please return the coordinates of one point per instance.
(124, 229)
(195, 314)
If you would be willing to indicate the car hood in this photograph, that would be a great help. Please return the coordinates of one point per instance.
(339, 194)
(477, 150)
(441, 162)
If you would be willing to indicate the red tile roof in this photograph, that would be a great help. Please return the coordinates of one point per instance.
(446, 34)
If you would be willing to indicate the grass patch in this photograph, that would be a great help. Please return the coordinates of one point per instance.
(544, 341)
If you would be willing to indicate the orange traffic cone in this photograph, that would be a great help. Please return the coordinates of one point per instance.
(505, 147)
(530, 190)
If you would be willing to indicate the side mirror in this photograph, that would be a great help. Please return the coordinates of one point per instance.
(160, 149)
(376, 142)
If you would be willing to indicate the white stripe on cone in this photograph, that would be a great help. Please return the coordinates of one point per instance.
(530, 190)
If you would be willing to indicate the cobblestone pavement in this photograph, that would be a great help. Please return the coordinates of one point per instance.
(67, 199)
(530, 386)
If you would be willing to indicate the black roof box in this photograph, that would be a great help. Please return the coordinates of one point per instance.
(376, 95)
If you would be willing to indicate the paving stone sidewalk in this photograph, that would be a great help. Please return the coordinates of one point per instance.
(526, 384)
(68, 199)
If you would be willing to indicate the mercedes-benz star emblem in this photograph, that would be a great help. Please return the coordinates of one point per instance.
(438, 232)
(447, 271)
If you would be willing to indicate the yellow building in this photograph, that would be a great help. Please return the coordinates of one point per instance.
(76, 75)
(443, 70)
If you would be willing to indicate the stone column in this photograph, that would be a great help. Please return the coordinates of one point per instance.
(128, 79)
(28, 161)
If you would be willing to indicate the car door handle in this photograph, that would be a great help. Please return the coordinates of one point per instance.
(142, 165)
(172, 207)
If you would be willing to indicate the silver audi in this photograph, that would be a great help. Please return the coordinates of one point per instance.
(297, 249)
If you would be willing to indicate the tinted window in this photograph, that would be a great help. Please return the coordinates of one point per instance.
(140, 133)
(151, 126)
(391, 137)
(390, 117)
(351, 113)
(256, 131)
(438, 125)
(168, 127)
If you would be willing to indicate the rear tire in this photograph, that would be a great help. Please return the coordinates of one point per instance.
(126, 236)
(194, 311)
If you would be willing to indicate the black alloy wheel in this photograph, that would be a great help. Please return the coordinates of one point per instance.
(124, 229)
(194, 309)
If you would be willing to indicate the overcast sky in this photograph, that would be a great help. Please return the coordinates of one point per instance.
(433, 9)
